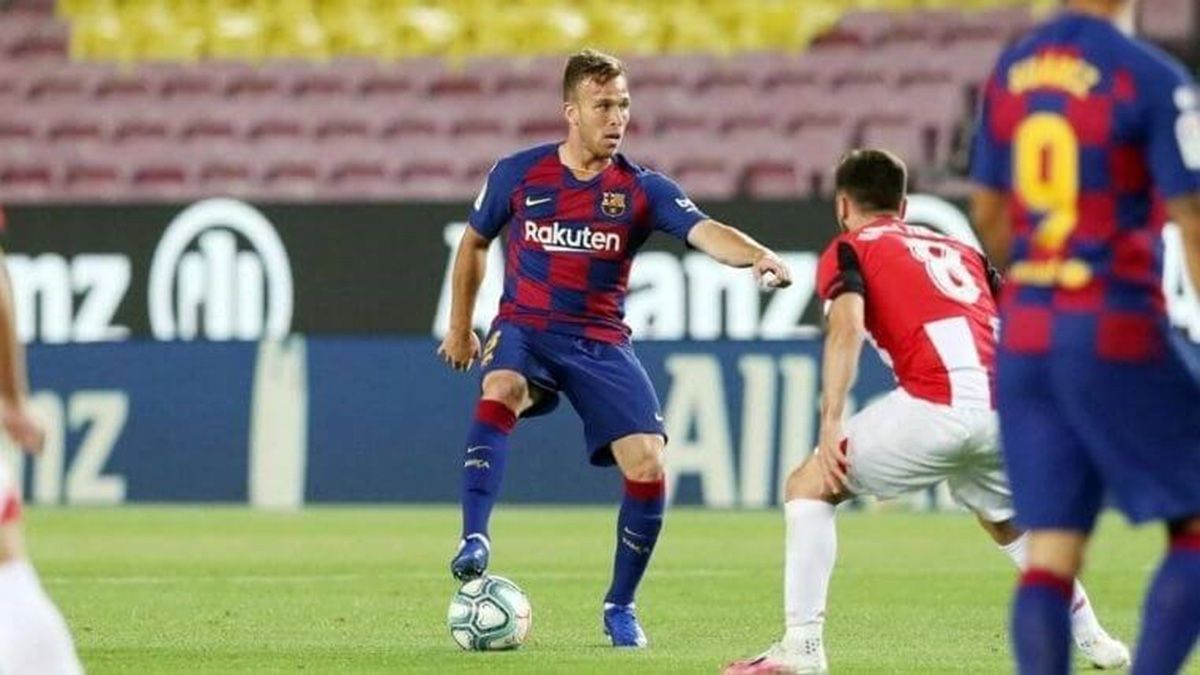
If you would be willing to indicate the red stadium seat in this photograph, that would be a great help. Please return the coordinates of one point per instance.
(31, 179)
(774, 179)
(131, 87)
(323, 84)
(144, 125)
(900, 136)
(17, 128)
(75, 128)
(707, 176)
(254, 85)
(225, 174)
(92, 178)
(40, 41)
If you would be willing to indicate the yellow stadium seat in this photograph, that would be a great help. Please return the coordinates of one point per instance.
(295, 31)
(356, 28)
(236, 29)
(158, 31)
(98, 33)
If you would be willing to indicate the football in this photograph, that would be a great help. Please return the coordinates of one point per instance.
(489, 613)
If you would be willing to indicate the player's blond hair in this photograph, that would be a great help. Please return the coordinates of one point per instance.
(589, 64)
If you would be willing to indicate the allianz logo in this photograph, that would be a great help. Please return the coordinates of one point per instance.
(556, 238)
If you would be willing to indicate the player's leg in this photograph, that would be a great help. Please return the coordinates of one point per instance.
(1094, 643)
(34, 639)
(623, 424)
(506, 395)
(1057, 494)
(982, 486)
(1143, 431)
(1171, 616)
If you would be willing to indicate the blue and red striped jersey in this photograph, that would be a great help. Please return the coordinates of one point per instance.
(570, 243)
(1087, 130)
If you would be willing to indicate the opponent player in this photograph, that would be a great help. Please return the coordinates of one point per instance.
(926, 302)
(34, 639)
(574, 214)
(1081, 128)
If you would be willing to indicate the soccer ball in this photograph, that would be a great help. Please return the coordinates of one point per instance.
(489, 613)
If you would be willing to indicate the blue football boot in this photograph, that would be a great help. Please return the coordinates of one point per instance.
(471, 560)
(621, 625)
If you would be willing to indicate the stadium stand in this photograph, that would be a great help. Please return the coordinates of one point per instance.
(352, 99)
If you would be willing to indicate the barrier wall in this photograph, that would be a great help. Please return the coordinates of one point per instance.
(329, 419)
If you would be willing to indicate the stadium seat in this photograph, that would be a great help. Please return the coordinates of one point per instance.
(92, 178)
(773, 179)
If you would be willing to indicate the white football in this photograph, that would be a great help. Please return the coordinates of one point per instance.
(489, 613)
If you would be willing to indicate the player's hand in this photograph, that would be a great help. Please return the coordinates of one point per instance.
(25, 429)
(771, 272)
(831, 458)
(459, 349)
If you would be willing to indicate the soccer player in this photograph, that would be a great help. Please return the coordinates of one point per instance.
(1082, 131)
(574, 213)
(926, 302)
(34, 639)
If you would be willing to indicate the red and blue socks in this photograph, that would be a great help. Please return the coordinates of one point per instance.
(1171, 617)
(483, 464)
(638, 524)
(1041, 623)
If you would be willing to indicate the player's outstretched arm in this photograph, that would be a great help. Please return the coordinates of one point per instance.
(730, 246)
(460, 347)
(20, 424)
(1184, 211)
(839, 368)
(989, 212)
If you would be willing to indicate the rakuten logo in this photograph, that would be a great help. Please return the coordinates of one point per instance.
(555, 237)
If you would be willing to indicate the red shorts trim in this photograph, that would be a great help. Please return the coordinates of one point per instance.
(10, 508)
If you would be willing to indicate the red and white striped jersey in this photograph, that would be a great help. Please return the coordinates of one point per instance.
(930, 309)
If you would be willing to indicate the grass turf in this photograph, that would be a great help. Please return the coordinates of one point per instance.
(224, 590)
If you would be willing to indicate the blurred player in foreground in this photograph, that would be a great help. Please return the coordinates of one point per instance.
(574, 213)
(926, 302)
(34, 639)
(1082, 129)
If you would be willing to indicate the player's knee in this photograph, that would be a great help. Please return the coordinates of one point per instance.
(642, 459)
(804, 482)
(507, 388)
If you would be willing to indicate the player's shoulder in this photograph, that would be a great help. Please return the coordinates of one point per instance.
(516, 164)
(640, 174)
(1150, 62)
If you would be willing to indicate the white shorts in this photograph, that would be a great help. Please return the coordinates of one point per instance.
(901, 444)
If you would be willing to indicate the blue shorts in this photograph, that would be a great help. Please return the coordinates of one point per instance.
(1077, 430)
(605, 383)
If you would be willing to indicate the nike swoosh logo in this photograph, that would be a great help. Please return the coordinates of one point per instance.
(658, 417)
(632, 533)
(476, 448)
(530, 201)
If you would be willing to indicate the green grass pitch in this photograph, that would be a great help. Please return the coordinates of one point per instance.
(350, 590)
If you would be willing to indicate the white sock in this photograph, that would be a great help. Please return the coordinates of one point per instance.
(810, 550)
(34, 639)
(1083, 618)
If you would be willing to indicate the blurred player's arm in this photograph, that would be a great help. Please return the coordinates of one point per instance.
(839, 369)
(21, 426)
(1184, 211)
(491, 211)
(730, 246)
(989, 212)
(461, 346)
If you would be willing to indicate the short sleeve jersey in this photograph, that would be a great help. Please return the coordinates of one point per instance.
(570, 243)
(929, 304)
(1086, 130)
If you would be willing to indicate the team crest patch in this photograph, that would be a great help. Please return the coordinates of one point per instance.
(613, 204)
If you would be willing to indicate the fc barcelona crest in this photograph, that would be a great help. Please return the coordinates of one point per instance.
(613, 204)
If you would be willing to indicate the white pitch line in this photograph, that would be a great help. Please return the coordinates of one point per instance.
(333, 578)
